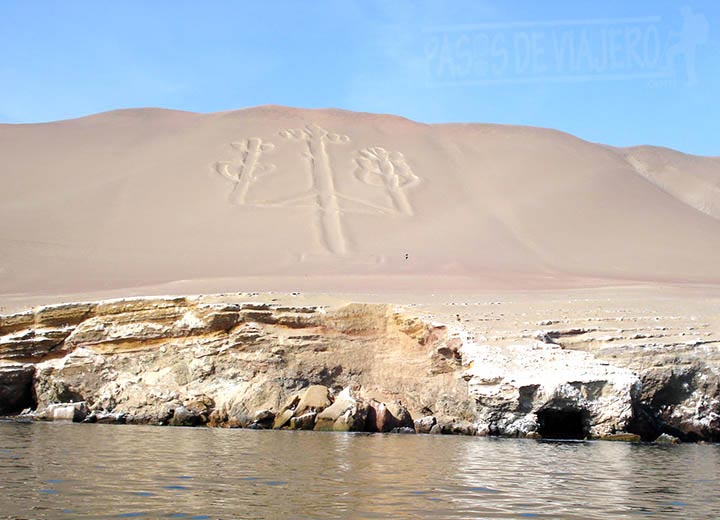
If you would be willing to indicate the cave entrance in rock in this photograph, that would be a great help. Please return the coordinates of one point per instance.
(565, 423)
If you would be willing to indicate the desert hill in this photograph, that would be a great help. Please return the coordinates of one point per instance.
(279, 198)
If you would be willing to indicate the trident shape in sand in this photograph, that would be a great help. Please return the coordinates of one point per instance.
(245, 171)
(316, 139)
(379, 167)
(375, 166)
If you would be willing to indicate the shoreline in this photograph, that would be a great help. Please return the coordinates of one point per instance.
(29, 419)
(592, 362)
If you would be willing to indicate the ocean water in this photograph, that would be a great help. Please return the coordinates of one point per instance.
(51, 470)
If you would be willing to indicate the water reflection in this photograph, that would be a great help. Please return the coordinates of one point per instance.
(102, 471)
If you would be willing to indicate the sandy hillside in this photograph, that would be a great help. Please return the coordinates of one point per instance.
(272, 198)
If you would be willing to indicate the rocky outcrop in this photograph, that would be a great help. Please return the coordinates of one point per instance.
(345, 414)
(16, 388)
(606, 374)
(74, 412)
(679, 400)
(192, 361)
(358, 367)
(300, 411)
(388, 417)
(537, 387)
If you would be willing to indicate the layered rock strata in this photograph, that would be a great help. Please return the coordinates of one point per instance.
(355, 367)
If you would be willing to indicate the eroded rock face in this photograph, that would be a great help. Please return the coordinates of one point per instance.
(16, 388)
(345, 414)
(425, 424)
(386, 417)
(186, 361)
(680, 401)
(539, 387)
(357, 367)
(317, 408)
(621, 370)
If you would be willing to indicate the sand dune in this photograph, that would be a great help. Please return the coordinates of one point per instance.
(279, 198)
(691, 179)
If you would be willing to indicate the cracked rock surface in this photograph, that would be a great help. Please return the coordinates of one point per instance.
(570, 365)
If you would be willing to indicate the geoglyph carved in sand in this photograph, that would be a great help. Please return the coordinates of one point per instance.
(375, 166)
(247, 168)
(326, 197)
(379, 167)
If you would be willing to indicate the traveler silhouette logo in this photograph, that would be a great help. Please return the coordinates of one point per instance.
(694, 33)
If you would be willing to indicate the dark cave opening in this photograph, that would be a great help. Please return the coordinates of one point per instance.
(17, 392)
(568, 423)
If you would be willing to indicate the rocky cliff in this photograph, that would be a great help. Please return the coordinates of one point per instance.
(241, 362)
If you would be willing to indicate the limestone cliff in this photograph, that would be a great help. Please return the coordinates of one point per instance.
(369, 367)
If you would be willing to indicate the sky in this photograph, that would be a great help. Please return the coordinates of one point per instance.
(616, 72)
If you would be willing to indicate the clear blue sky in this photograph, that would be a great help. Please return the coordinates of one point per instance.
(617, 72)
